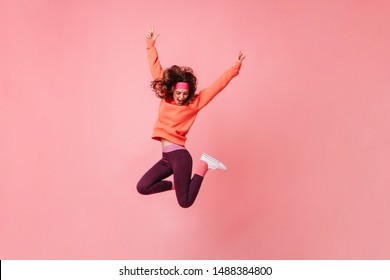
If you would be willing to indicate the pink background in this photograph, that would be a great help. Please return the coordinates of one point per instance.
(304, 130)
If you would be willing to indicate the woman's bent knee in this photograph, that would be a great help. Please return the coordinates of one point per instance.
(142, 188)
(185, 204)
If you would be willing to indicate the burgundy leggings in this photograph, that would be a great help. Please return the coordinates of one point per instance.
(178, 163)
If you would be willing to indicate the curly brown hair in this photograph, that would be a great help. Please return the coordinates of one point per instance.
(164, 88)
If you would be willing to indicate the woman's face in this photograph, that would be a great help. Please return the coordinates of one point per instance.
(180, 96)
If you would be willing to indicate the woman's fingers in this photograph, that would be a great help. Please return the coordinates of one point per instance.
(240, 56)
(151, 34)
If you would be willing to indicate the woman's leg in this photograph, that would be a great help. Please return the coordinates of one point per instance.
(152, 181)
(186, 188)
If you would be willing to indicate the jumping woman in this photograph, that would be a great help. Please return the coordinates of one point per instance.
(179, 106)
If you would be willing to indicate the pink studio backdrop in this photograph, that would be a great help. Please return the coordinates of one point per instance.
(304, 130)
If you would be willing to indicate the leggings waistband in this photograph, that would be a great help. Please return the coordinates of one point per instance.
(172, 147)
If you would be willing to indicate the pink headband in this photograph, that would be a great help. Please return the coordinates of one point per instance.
(182, 85)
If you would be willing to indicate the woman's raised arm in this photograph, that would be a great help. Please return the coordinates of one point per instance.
(154, 62)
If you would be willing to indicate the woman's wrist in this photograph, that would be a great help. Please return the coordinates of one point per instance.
(150, 43)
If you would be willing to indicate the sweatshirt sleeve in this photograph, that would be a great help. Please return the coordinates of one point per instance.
(206, 95)
(154, 63)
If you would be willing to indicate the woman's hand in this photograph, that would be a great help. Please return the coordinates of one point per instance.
(151, 35)
(240, 57)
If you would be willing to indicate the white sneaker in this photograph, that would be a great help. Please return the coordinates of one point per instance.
(212, 163)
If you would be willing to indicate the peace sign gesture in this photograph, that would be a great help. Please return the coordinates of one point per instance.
(240, 57)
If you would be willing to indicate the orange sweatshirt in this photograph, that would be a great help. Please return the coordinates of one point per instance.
(174, 121)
